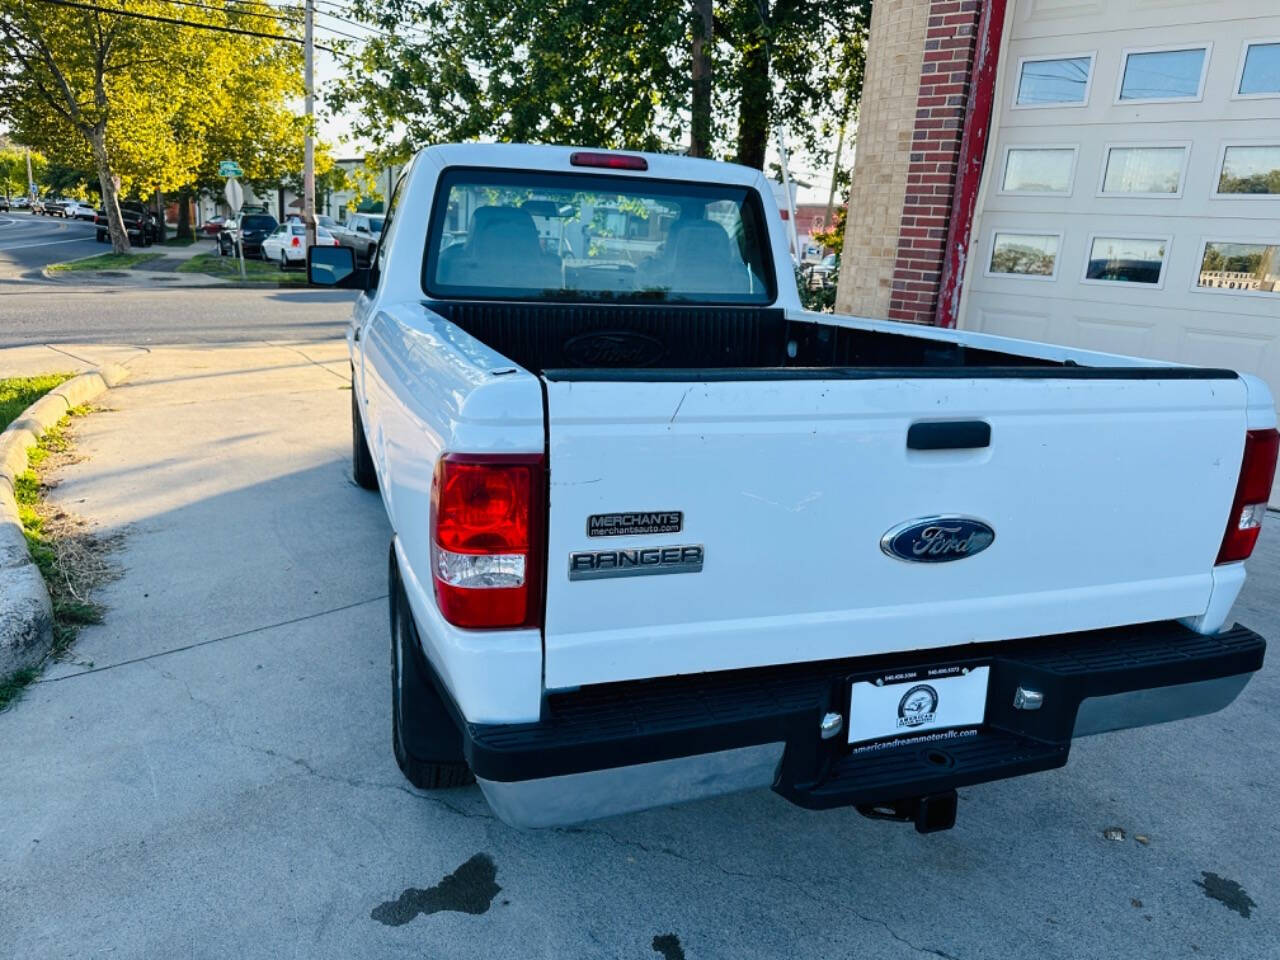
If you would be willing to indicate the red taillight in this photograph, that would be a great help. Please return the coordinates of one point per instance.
(1257, 471)
(486, 539)
(295, 241)
(612, 161)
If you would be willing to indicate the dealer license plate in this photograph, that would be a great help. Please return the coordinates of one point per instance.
(917, 702)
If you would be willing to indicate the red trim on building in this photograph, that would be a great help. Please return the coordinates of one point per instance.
(973, 151)
(935, 153)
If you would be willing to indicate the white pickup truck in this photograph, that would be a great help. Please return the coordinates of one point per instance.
(659, 533)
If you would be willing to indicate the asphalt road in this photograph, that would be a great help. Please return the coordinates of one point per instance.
(28, 243)
(211, 775)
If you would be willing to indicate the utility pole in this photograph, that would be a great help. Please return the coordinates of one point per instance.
(791, 205)
(835, 172)
(309, 143)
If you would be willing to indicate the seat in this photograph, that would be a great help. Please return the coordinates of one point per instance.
(502, 250)
(707, 261)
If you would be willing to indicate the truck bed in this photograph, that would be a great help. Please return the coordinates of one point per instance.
(666, 342)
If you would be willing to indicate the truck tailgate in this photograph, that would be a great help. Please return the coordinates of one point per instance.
(1107, 497)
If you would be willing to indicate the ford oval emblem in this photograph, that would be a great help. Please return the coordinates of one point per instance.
(937, 539)
(614, 348)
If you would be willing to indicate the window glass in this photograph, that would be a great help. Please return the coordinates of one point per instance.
(1054, 81)
(1240, 267)
(1126, 260)
(1028, 170)
(1251, 170)
(1261, 69)
(514, 234)
(1143, 170)
(1031, 255)
(1162, 75)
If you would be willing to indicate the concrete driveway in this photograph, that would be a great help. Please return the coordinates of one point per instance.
(213, 776)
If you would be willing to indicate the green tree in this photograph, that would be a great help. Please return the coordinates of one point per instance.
(633, 74)
(13, 169)
(134, 100)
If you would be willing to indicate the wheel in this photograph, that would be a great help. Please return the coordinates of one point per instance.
(361, 460)
(427, 744)
(284, 265)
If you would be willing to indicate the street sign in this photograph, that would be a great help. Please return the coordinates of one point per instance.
(235, 196)
(229, 168)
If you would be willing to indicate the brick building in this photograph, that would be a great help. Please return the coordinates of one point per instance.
(1100, 173)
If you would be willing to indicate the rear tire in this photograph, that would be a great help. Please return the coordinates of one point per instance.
(284, 263)
(427, 744)
(361, 460)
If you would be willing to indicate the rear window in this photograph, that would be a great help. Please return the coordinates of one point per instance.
(375, 224)
(259, 223)
(509, 234)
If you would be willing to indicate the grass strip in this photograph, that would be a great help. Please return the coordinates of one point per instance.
(69, 559)
(104, 261)
(228, 268)
(18, 393)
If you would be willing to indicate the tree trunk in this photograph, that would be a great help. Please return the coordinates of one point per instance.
(162, 229)
(110, 199)
(700, 125)
(753, 106)
(184, 215)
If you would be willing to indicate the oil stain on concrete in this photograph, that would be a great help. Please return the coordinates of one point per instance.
(469, 889)
(1227, 892)
(668, 944)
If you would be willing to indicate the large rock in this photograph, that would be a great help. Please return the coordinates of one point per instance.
(26, 618)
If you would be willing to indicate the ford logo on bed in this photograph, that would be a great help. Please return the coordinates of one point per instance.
(614, 348)
(937, 539)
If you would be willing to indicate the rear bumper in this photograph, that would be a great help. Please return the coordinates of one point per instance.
(615, 748)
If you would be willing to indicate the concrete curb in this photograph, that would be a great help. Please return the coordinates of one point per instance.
(207, 281)
(26, 612)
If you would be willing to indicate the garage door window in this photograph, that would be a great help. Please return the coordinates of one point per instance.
(1163, 75)
(1131, 260)
(1057, 82)
(1038, 170)
(1241, 268)
(1143, 171)
(1260, 70)
(1249, 171)
(1033, 256)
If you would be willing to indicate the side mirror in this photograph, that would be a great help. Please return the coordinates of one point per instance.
(330, 266)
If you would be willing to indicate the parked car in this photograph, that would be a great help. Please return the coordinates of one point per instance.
(140, 223)
(213, 226)
(53, 207)
(21, 203)
(79, 210)
(361, 233)
(287, 244)
(979, 548)
(250, 230)
(4, 204)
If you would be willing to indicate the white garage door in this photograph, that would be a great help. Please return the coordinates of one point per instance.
(1131, 198)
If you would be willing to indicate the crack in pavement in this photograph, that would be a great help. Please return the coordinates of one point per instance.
(204, 643)
(284, 346)
(809, 890)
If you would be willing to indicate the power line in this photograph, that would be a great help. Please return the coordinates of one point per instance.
(239, 13)
(184, 23)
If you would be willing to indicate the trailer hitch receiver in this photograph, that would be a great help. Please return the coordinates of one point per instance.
(931, 813)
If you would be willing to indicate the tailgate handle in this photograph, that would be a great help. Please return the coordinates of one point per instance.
(949, 435)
